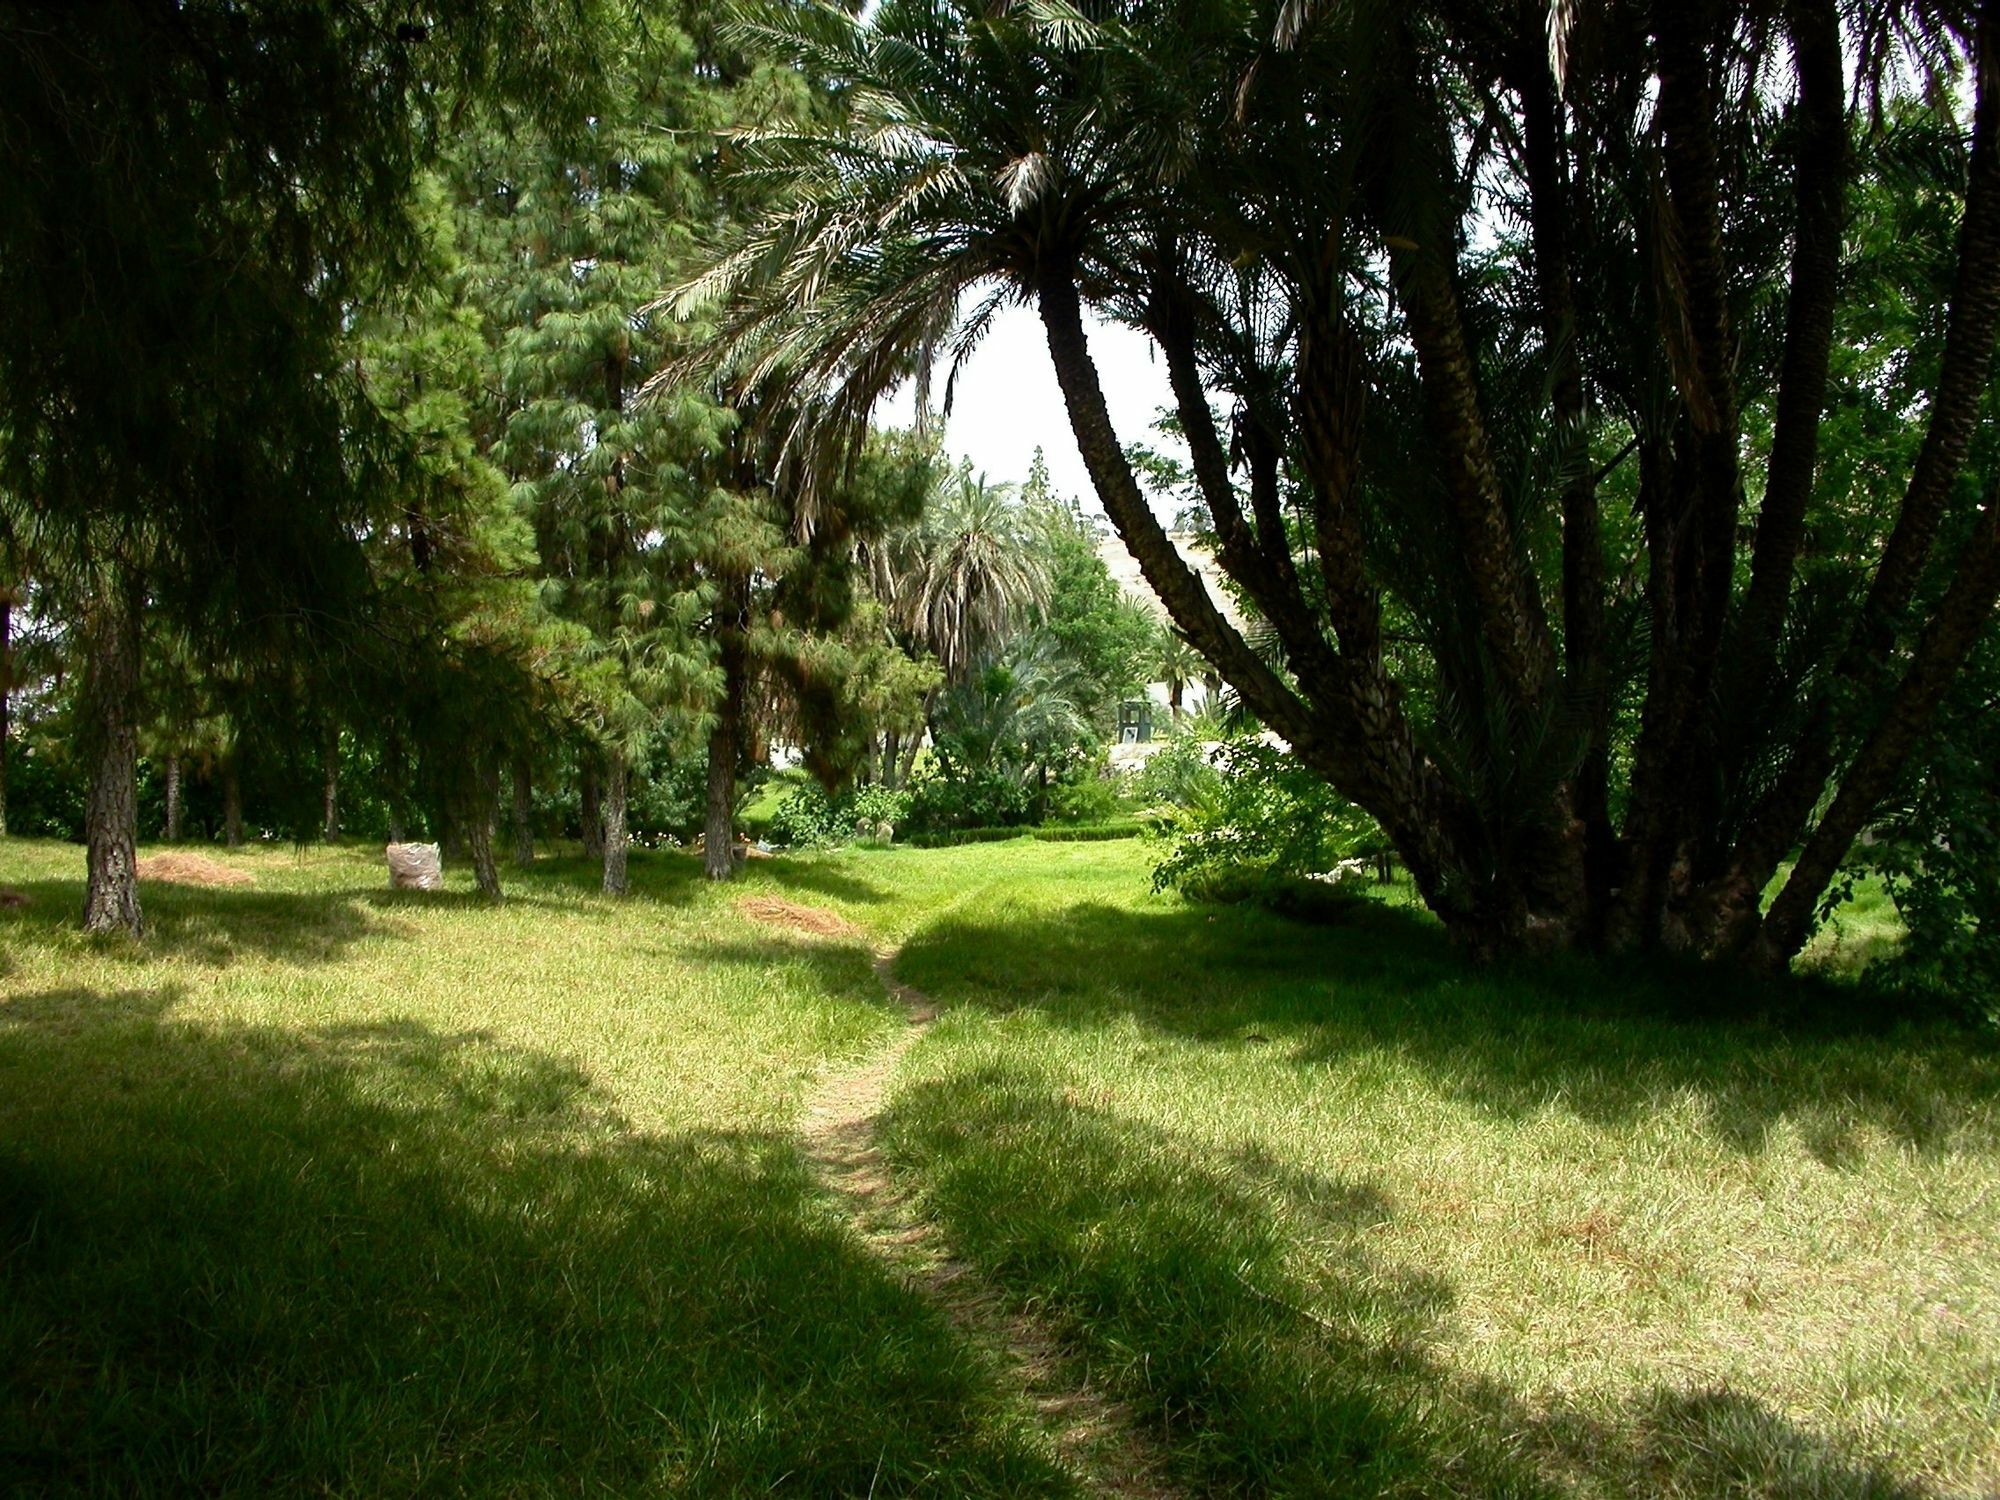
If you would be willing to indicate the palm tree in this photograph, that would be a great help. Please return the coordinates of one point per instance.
(972, 572)
(1405, 494)
(1175, 663)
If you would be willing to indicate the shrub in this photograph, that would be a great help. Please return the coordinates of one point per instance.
(952, 796)
(1261, 826)
(1091, 795)
(809, 817)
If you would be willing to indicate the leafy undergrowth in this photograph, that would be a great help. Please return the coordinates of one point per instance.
(325, 1189)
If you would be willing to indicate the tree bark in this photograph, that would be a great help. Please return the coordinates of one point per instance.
(232, 801)
(110, 693)
(1953, 631)
(725, 740)
(395, 766)
(1820, 190)
(1729, 907)
(6, 696)
(173, 771)
(524, 813)
(330, 791)
(611, 832)
(482, 814)
(592, 815)
(892, 744)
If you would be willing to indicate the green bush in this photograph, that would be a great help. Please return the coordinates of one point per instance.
(808, 817)
(1091, 796)
(1263, 824)
(951, 796)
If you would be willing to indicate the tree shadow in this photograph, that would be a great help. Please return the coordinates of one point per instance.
(1247, 1317)
(818, 877)
(205, 925)
(1611, 1044)
(382, 1259)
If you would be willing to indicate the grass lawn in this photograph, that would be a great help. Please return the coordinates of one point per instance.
(324, 1189)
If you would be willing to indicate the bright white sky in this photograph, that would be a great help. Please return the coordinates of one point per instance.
(1007, 402)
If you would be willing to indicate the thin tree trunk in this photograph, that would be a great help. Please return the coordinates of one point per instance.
(330, 792)
(1954, 630)
(6, 696)
(173, 831)
(592, 811)
(397, 775)
(1809, 318)
(724, 743)
(232, 800)
(1730, 903)
(110, 692)
(892, 744)
(611, 833)
(483, 814)
(524, 813)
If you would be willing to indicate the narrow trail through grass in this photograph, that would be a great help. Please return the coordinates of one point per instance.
(1093, 1436)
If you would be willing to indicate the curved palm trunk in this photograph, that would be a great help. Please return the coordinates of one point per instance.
(611, 831)
(110, 692)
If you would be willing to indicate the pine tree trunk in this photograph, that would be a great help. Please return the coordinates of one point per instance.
(724, 742)
(330, 792)
(524, 814)
(396, 773)
(611, 833)
(479, 824)
(232, 802)
(173, 799)
(6, 696)
(110, 692)
(593, 811)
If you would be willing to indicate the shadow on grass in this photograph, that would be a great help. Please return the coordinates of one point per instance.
(1611, 1044)
(210, 925)
(1174, 1279)
(379, 1259)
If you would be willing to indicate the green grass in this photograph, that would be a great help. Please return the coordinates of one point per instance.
(326, 1189)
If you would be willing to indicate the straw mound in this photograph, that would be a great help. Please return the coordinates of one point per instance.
(191, 869)
(775, 911)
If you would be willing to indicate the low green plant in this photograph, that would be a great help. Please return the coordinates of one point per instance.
(1262, 824)
(808, 818)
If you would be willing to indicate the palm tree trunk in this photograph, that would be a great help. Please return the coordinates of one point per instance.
(109, 694)
(173, 830)
(524, 813)
(1953, 632)
(1730, 902)
(592, 814)
(611, 836)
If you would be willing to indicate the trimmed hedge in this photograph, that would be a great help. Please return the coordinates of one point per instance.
(1091, 833)
(1082, 833)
